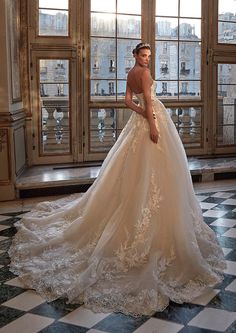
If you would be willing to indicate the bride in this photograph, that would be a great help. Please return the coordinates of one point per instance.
(136, 239)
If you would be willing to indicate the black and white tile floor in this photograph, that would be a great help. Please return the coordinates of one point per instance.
(23, 311)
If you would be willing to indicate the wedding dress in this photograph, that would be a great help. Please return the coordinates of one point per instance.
(135, 240)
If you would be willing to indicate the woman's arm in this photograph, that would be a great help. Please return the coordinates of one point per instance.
(146, 87)
(129, 102)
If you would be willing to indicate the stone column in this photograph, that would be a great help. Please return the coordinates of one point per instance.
(12, 114)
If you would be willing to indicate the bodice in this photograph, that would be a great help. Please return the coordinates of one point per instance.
(153, 94)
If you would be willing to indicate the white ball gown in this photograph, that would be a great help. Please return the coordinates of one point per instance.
(135, 240)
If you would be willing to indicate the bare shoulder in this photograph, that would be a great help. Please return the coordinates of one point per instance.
(145, 72)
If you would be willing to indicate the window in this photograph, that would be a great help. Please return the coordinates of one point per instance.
(164, 67)
(53, 17)
(178, 43)
(112, 67)
(115, 29)
(96, 67)
(184, 88)
(183, 64)
(54, 106)
(227, 21)
(164, 48)
(111, 88)
(226, 109)
(164, 88)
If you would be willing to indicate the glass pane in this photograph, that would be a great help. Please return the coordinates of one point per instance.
(190, 61)
(167, 7)
(103, 6)
(101, 140)
(58, 4)
(188, 123)
(129, 26)
(54, 106)
(189, 126)
(190, 29)
(106, 125)
(190, 10)
(54, 89)
(166, 28)
(102, 129)
(103, 58)
(167, 89)
(166, 60)
(227, 92)
(54, 70)
(53, 22)
(189, 89)
(129, 7)
(103, 89)
(227, 10)
(121, 88)
(227, 74)
(226, 114)
(226, 135)
(125, 59)
(226, 32)
(103, 25)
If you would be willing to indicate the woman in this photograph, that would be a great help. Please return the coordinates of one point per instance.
(136, 239)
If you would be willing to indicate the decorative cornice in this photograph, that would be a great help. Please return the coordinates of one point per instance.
(10, 118)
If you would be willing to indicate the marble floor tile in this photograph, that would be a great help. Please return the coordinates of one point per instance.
(3, 227)
(230, 233)
(95, 331)
(222, 195)
(83, 317)
(207, 205)
(231, 267)
(27, 323)
(16, 282)
(226, 250)
(224, 223)
(154, 325)
(231, 287)
(7, 315)
(229, 202)
(76, 319)
(9, 207)
(205, 298)
(213, 319)
(201, 197)
(3, 218)
(25, 301)
(215, 186)
(214, 213)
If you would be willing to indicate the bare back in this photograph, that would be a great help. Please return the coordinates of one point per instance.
(134, 79)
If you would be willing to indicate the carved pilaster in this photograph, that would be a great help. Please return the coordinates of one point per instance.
(25, 59)
(3, 139)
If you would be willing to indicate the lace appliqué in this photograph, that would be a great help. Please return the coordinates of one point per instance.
(133, 253)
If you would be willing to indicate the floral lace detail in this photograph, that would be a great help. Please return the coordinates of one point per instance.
(128, 254)
(145, 302)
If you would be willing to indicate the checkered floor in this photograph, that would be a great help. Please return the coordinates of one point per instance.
(24, 311)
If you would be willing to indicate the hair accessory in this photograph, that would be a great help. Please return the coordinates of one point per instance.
(142, 45)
